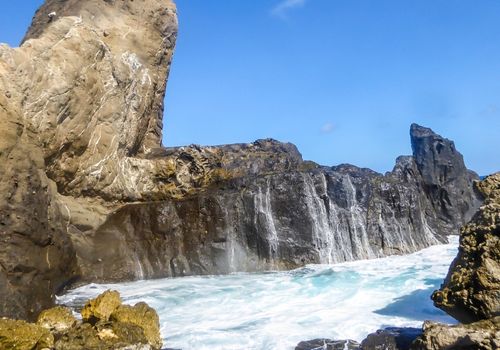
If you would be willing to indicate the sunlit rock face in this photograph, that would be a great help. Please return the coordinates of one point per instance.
(89, 194)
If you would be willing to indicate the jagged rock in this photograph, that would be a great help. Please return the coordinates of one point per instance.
(481, 335)
(144, 317)
(471, 291)
(391, 338)
(20, 335)
(101, 308)
(57, 319)
(328, 344)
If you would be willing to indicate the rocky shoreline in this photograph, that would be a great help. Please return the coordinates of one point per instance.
(470, 293)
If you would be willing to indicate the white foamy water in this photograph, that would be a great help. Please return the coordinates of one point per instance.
(276, 310)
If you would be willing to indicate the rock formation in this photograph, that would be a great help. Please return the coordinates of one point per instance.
(106, 325)
(471, 291)
(87, 193)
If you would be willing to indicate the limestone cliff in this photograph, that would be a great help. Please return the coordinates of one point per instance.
(89, 194)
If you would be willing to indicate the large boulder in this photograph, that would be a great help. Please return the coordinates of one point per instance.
(471, 291)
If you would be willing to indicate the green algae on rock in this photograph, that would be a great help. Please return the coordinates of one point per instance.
(101, 307)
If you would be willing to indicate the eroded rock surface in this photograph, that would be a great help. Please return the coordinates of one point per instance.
(471, 291)
(87, 193)
(132, 328)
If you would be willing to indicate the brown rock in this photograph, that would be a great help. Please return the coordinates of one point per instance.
(471, 291)
(143, 316)
(482, 335)
(20, 335)
(101, 308)
(57, 319)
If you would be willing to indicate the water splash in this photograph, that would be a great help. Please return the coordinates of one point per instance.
(276, 310)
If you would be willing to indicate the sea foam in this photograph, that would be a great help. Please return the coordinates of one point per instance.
(276, 310)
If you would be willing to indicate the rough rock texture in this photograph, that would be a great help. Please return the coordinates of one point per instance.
(391, 338)
(471, 291)
(101, 307)
(87, 193)
(132, 328)
(481, 335)
(20, 335)
(143, 316)
(57, 319)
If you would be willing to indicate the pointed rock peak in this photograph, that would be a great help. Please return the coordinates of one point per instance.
(437, 159)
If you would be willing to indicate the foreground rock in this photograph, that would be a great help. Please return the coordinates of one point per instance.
(88, 194)
(481, 335)
(107, 325)
(471, 290)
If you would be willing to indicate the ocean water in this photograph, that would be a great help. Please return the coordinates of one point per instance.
(276, 310)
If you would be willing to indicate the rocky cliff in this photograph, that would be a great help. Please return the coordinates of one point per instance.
(89, 194)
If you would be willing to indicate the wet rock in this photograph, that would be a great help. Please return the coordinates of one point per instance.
(471, 291)
(57, 319)
(481, 335)
(143, 316)
(328, 344)
(391, 338)
(101, 308)
(20, 335)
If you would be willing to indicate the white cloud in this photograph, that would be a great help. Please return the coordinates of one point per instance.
(327, 128)
(282, 8)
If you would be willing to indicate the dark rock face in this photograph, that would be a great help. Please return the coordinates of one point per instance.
(328, 344)
(89, 194)
(391, 338)
(279, 212)
(446, 180)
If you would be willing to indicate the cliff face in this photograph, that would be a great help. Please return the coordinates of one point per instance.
(89, 194)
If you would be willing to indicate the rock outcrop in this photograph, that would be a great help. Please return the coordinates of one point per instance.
(87, 193)
(125, 327)
(471, 291)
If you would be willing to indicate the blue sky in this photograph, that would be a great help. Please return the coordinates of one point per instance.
(342, 79)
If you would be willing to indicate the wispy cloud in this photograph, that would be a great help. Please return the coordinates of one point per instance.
(327, 128)
(282, 8)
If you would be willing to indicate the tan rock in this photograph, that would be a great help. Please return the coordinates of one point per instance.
(20, 335)
(143, 316)
(482, 335)
(101, 307)
(471, 291)
(57, 319)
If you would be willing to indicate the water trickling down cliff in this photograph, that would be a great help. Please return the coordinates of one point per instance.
(89, 194)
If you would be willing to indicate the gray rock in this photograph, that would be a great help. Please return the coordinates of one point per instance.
(328, 344)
